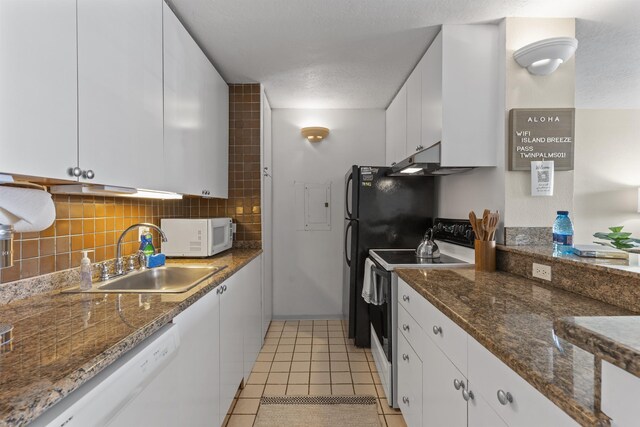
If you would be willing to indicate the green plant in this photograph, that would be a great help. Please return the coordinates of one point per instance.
(617, 239)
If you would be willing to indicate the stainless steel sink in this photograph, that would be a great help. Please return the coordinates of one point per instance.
(167, 279)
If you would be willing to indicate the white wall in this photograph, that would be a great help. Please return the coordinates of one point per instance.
(607, 175)
(524, 90)
(307, 265)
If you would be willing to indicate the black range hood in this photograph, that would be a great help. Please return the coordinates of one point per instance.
(424, 163)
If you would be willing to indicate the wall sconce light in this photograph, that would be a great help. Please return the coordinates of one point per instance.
(314, 134)
(545, 56)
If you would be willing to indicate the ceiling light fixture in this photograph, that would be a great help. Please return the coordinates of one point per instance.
(545, 56)
(315, 134)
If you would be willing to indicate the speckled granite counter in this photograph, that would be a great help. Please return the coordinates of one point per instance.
(63, 340)
(614, 339)
(513, 318)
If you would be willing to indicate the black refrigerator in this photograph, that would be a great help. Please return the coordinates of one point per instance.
(380, 212)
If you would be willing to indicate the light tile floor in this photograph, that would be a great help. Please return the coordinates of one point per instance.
(310, 357)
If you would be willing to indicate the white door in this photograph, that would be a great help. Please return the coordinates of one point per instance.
(38, 87)
(199, 362)
(232, 316)
(267, 216)
(442, 404)
(196, 114)
(120, 91)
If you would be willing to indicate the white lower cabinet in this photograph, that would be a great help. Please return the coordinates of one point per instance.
(198, 363)
(231, 340)
(516, 401)
(442, 404)
(252, 306)
(409, 383)
(463, 384)
(620, 391)
(481, 414)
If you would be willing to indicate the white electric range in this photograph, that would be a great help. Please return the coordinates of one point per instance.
(455, 240)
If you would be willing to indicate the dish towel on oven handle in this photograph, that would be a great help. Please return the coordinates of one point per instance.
(371, 285)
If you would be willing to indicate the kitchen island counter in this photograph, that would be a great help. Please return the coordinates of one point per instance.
(513, 317)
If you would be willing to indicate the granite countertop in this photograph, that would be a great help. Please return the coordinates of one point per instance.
(513, 318)
(614, 339)
(63, 340)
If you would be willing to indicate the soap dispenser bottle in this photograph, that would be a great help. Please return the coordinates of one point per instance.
(85, 271)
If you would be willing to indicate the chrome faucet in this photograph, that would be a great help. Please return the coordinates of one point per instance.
(119, 262)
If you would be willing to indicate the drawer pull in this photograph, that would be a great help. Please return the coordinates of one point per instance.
(405, 327)
(405, 357)
(467, 395)
(405, 400)
(437, 330)
(504, 398)
(405, 298)
(458, 384)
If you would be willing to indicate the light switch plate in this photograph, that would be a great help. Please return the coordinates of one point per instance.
(542, 271)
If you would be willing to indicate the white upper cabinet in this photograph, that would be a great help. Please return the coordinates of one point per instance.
(452, 98)
(120, 92)
(196, 114)
(414, 111)
(432, 93)
(38, 129)
(396, 127)
(469, 95)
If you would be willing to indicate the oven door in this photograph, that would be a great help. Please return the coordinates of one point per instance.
(381, 316)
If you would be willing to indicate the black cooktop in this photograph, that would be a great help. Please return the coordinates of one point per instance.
(403, 257)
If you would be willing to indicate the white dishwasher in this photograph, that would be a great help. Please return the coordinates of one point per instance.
(123, 392)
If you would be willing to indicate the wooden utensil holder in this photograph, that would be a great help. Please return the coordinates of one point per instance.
(485, 255)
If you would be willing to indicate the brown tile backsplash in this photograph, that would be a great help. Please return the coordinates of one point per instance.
(96, 222)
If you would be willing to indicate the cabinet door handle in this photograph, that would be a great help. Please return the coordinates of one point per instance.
(458, 384)
(405, 327)
(437, 330)
(504, 398)
(219, 290)
(77, 172)
(405, 357)
(405, 298)
(88, 174)
(467, 395)
(393, 163)
(224, 288)
(405, 400)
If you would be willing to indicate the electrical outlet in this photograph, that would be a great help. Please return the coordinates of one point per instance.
(542, 271)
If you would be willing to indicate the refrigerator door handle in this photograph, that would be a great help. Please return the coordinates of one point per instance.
(346, 195)
(346, 234)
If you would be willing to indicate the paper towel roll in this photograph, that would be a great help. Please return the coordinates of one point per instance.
(26, 209)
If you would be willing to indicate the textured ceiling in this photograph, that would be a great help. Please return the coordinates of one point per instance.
(357, 53)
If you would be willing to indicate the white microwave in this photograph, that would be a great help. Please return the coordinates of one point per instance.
(196, 237)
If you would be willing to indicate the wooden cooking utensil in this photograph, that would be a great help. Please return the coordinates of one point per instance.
(481, 232)
(472, 220)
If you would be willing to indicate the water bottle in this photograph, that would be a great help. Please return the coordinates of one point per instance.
(562, 234)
